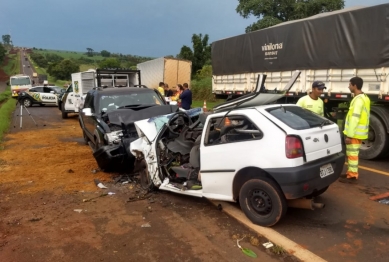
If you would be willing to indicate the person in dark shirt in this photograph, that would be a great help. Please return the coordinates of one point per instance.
(186, 97)
(168, 92)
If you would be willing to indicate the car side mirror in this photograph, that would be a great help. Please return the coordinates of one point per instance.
(87, 111)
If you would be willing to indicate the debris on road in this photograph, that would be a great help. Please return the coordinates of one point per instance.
(94, 171)
(146, 225)
(70, 171)
(246, 251)
(35, 219)
(78, 210)
(268, 244)
(91, 199)
(384, 201)
(99, 184)
(111, 193)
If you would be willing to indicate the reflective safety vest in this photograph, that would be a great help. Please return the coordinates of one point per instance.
(357, 119)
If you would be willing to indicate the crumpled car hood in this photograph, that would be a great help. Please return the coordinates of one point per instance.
(128, 116)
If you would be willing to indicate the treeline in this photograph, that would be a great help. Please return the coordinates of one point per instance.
(62, 68)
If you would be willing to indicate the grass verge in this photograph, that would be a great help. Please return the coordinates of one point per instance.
(5, 116)
(4, 96)
(13, 65)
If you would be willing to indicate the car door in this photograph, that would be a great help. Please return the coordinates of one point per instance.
(68, 99)
(47, 96)
(228, 145)
(87, 118)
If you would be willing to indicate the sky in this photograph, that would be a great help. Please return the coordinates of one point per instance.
(151, 28)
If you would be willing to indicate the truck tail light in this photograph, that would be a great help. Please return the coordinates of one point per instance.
(293, 147)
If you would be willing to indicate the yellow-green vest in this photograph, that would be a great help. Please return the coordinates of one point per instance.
(357, 125)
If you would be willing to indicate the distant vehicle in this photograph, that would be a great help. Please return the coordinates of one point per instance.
(171, 71)
(34, 74)
(19, 83)
(40, 95)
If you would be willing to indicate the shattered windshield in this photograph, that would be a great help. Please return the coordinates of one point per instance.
(113, 102)
(20, 81)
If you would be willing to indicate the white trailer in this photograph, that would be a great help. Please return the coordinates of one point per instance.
(331, 47)
(168, 70)
(83, 82)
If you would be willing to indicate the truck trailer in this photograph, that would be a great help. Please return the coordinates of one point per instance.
(168, 70)
(330, 47)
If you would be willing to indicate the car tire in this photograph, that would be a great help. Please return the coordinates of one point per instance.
(262, 201)
(27, 102)
(86, 139)
(64, 114)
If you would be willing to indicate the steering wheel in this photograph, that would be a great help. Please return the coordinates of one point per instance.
(177, 120)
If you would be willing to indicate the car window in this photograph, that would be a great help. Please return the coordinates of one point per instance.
(231, 129)
(112, 102)
(70, 89)
(88, 101)
(297, 117)
(47, 89)
(37, 89)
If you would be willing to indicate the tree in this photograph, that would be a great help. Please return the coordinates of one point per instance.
(63, 70)
(201, 53)
(105, 53)
(39, 59)
(89, 51)
(109, 63)
(272, 12)
(2, 53)
(53, 58)
(6, 39)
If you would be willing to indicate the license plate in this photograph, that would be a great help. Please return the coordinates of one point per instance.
(326, 170)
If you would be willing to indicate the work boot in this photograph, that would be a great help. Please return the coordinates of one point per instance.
(343, 176)
(351, 180)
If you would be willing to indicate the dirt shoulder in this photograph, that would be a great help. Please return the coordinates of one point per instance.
(52, 210)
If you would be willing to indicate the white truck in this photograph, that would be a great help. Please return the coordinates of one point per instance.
(82, 82)
(19, 83)
(331, 47)
(171, 71)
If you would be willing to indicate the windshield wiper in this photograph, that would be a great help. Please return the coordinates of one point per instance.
(135, 106)
(325, 122)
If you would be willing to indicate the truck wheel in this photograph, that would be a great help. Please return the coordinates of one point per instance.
(27, 102)
(64, 114)
(262, 202)
(377, 143)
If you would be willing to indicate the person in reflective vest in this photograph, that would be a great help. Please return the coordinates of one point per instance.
(356, 128)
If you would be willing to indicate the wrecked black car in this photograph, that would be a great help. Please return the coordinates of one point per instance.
(107, 121)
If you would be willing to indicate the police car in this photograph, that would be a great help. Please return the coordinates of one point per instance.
(40, 95)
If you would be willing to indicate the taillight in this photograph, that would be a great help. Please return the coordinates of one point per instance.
(293, 147)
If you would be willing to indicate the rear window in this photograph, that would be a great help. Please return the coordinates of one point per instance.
(298, 118)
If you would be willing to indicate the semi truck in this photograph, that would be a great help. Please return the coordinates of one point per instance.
(82, 82)
(330, 47)
(19, 83)
(171, 71)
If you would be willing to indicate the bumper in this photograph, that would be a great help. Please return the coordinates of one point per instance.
(302, 181)
(114, 157)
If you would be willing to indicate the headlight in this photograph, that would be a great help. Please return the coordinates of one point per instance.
(113, 137)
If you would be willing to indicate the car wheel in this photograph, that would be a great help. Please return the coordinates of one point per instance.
(86, 139)
(64, 114)
(27, 102)
(262, 202)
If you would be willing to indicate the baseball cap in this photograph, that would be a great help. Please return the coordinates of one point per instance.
(319, 84)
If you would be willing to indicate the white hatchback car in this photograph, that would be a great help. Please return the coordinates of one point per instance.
(249, 150)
